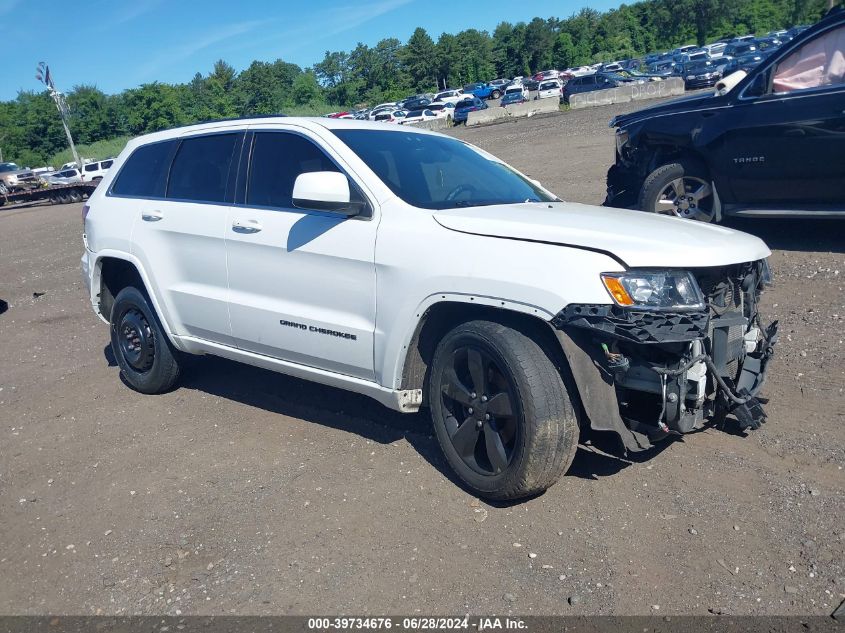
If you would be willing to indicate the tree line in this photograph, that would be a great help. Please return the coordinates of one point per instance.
(31, 132)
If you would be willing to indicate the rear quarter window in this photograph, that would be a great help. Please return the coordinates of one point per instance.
(144, 174)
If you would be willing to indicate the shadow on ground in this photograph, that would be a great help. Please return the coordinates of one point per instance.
(354, 413)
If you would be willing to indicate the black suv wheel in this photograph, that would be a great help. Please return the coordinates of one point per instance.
(682, 188)
(146, 358)
(501, 411)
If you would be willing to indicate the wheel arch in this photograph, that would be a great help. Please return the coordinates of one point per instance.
(440, 317)
(114, 271)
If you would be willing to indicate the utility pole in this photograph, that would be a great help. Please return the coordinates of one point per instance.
(42, 74)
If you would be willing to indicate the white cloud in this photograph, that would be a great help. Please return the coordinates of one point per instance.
(193, 45)
(325, 24)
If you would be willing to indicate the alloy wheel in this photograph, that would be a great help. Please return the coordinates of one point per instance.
(686, 197)
(480, 411)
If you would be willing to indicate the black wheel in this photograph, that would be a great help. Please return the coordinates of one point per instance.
(146, 358)
(501, 411)
(63, 198)
(683, 189)
(496, 94)
(75, 195)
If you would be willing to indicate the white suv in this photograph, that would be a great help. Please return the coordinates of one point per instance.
(421, 271)
(96, 170)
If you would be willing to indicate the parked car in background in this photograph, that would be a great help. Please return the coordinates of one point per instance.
(390, 116)
(546, 74)
(442, 110)
(98, 169)
(611, 67)
(63, 177)
(416, 103)
(467, 105)
(518, 88)
(580, 71)
(483, 90)
(666, 68)
(15, 178)
(381, 108)
(549, 89)
(767, 45)
(701, 74)
(530, 84)
(418, 116)
(715, 50)
(740, 48)
(591, 83)
(681, 50)
(742, 39)
(449, 96)
(771, 146)
(744, 62)
(513, 96)
(500, 83)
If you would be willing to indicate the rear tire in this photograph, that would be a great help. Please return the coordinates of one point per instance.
(147, 360)
(496, 94)
(501, 411)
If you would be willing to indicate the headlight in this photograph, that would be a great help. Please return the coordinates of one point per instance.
(622, 137)
(655, 289)
(690, 77)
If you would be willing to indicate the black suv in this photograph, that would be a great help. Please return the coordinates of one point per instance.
(773, 145)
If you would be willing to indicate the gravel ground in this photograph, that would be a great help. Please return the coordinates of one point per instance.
(251, 493)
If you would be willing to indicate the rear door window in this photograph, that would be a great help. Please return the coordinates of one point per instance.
(200, 170)
(92, 167)
(277, 159)
(144, 173)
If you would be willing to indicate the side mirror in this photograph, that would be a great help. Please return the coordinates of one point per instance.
(324, 191)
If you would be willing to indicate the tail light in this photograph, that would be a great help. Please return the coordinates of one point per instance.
(85, 209)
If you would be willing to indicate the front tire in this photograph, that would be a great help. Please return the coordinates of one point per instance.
(501, 411)
(146, 358)
(683, 189)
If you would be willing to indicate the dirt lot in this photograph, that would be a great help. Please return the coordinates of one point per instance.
(247, 492)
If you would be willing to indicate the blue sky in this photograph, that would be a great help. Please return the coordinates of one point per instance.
(116, 45)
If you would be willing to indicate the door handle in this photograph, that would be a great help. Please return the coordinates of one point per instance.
(246, 226)
(152, 216)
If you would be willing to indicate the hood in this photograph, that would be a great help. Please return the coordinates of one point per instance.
(638, 239)
(692, 102)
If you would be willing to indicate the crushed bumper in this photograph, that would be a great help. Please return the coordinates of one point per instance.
(647, 375)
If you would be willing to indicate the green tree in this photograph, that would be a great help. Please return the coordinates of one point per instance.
(419, 61)
(306, 90)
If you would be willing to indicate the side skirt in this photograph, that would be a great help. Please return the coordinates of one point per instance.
(404, 401)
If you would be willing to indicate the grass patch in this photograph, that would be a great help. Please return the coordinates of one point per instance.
(95, 151)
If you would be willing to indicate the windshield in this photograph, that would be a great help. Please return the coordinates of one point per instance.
(9, 167)
(551, 85)
(697, 67)
(434, 172)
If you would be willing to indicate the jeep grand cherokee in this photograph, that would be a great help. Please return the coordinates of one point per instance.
(422, 271)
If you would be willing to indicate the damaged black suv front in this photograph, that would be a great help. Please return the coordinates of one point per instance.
(678, 349)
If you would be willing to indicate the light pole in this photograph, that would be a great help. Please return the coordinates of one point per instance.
(42, 74)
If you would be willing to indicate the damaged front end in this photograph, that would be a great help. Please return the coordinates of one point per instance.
(677, 349)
